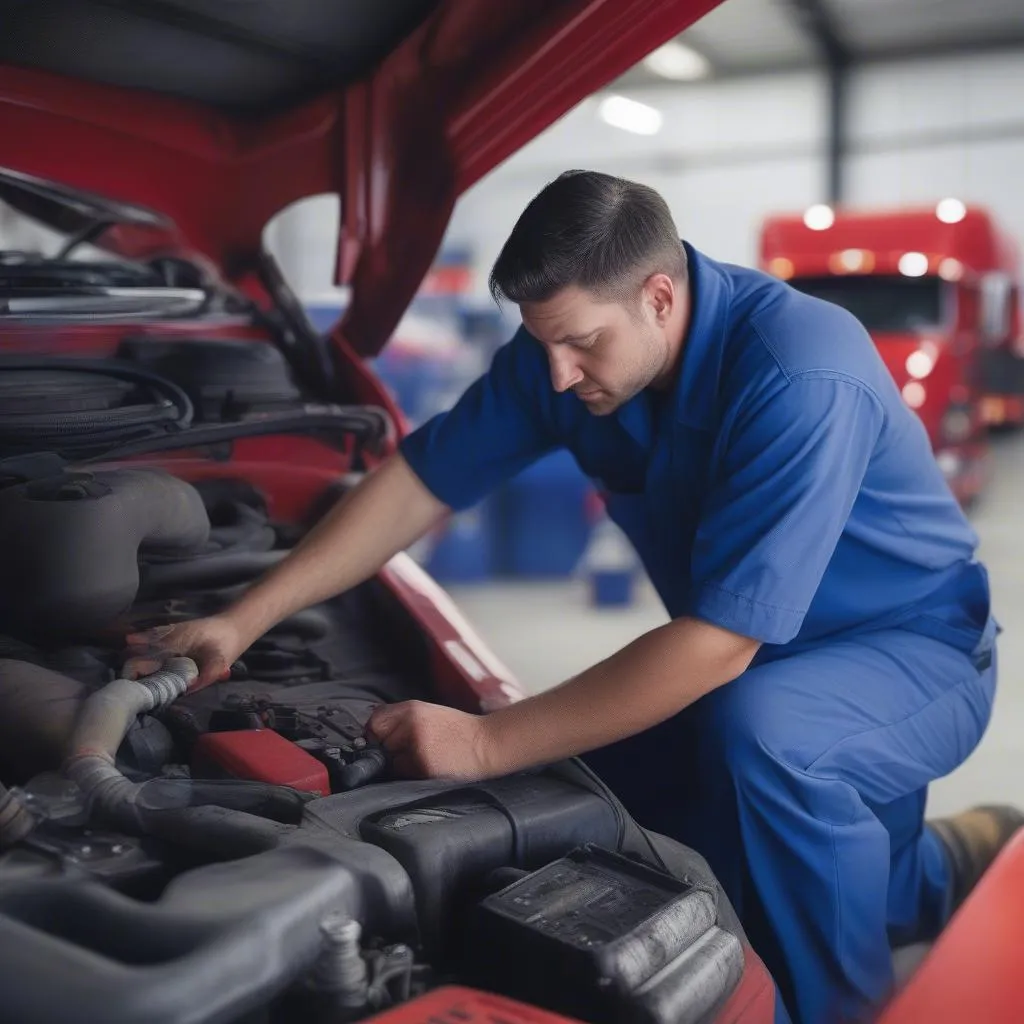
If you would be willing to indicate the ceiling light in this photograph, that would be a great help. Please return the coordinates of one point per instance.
(678, 62)
(630, 115)
(913, 264)
(951, 211)
(819, 217)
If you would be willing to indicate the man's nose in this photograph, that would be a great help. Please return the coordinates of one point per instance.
(564, 374)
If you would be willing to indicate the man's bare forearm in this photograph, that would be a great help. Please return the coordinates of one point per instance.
(384, 514)
(645, 683)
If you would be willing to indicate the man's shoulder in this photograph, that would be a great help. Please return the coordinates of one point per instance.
(774, 323)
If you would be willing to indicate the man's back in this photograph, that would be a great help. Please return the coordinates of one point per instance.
(781, 488)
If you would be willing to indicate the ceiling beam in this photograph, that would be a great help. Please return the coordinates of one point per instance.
(818, 22)
(815, 19)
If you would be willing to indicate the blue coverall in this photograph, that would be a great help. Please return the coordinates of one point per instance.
(784, 491)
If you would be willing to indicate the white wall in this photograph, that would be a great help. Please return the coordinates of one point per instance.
(920, 131)
(729, 153)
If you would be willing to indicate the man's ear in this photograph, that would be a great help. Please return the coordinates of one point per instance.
(661, 295)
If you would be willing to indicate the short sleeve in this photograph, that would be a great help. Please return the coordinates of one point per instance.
(792, 470)
(494, 431)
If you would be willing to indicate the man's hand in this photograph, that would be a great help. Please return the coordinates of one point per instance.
(430, 741)
(214, 644)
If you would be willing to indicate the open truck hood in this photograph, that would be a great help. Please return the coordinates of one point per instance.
(216, 119)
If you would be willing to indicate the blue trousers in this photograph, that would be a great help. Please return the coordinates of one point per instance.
(803, 783)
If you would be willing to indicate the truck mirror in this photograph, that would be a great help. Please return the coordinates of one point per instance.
(996, 314)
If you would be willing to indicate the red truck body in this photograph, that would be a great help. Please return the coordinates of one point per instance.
(939, 290)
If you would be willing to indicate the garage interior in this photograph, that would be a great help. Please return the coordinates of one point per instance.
(868, 103)
(767, 120)
(762, 107)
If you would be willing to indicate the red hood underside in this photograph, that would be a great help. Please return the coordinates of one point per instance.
(470, 86)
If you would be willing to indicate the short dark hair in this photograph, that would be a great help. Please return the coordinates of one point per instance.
(593, 230)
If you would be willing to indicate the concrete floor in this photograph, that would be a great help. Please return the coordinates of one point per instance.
(546, 632)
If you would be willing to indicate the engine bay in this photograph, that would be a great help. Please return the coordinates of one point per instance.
(242, 853)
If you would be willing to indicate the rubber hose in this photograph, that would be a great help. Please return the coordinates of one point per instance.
(367, 424)
(112, 421)
(105, 368)
(133, 807)
(220, 570)
(103, 723)
(246, 532)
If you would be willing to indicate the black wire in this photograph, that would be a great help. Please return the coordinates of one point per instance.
(363, 423)
(105, 368)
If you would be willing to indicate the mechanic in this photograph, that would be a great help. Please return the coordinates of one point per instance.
(830, 649)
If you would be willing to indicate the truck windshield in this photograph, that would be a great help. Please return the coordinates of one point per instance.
(884, 302)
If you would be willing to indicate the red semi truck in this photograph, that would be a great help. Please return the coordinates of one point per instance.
(939, 290)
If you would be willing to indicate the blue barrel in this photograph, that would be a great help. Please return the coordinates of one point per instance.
(544, 523)
(464, 551)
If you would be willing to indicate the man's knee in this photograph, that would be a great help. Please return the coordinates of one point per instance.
(738, 724)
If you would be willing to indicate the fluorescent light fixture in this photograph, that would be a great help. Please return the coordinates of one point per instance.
(630, 115)
(679, 62)
(819, 217)
(913, 264)
(950, 211)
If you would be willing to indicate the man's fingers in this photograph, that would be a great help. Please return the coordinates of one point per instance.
(149, 639)
(210, 672)
(383, 721)
(143, 665)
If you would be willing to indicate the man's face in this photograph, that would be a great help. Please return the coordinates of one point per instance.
(606, 352)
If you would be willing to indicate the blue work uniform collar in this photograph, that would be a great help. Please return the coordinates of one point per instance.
(695, 393)
(693, 396)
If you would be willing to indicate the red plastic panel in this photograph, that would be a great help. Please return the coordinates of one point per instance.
(753, 1002)
(974, 972)
(260, 755)
(455, 1005)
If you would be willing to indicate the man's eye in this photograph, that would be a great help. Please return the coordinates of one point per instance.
(587, 342)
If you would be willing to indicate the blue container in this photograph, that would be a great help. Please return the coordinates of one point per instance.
(612, 588)
(464, 552)
(544, 522)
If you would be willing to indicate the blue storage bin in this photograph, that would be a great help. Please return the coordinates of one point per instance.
(464, 551)
(611, 589)
(544, 523)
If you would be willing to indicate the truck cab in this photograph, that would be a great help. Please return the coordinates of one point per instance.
(939, 291)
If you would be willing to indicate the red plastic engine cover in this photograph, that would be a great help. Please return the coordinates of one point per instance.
(753, 1002)
(261, 755)
(456, 1005)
